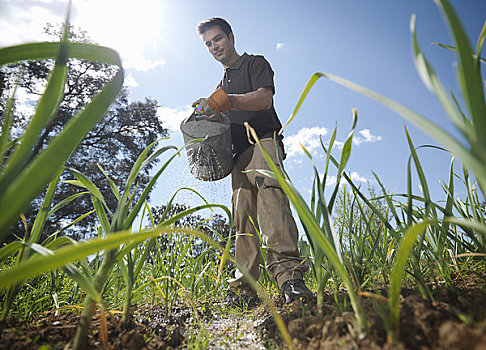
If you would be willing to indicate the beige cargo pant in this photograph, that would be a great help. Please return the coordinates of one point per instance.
(261, 198)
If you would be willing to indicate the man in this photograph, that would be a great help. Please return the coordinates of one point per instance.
(245, 94)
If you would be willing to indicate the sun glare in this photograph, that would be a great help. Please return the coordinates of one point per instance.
(125, 25)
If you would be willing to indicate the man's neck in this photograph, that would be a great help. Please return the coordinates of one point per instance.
(232, 61)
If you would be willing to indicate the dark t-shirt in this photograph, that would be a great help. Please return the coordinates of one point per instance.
(249, 73)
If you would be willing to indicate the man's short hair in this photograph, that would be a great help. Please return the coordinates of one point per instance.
(214, 22)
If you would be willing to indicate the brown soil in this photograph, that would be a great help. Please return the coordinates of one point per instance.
(151, 329)
(455, 320)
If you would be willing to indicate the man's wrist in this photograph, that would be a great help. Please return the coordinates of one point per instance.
(219, 101)
(234, 100)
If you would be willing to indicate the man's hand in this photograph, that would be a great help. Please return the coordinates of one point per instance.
(213, 106)
(202, 108)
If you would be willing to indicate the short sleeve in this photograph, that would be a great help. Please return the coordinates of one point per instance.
(261, 74)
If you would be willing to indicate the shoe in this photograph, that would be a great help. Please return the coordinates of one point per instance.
(235, 300)
(296, 289)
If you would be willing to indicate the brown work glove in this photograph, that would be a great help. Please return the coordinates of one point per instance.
(219, 101)
(213, 106)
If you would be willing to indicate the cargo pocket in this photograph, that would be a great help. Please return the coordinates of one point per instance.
(264, 181)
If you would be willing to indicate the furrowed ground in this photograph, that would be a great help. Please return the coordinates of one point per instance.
(456, 319)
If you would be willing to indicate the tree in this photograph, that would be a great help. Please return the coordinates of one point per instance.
(115, 143)
(216, 227)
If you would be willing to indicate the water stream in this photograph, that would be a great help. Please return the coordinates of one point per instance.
(205, 164)
(228, 332)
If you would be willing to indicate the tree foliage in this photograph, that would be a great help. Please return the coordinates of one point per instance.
(216, 227)
(115, 143)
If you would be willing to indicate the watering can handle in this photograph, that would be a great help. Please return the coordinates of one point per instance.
(197, 117)
(199, 114)
(194, 117)
(199, 111)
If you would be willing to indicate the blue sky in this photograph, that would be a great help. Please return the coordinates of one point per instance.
(367, 42)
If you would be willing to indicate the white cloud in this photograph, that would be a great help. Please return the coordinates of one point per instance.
(131, 27)
(338, 144)
(23, 21)
(355, 177)
(134, 60)
(171, 118)
(366, 136)
(280, 46)
(331, 180)
(307, 137)
(26, 102)
(130, 80)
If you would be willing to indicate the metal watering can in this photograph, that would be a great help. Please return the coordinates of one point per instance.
(212, 158)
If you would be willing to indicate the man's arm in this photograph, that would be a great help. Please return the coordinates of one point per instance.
(219, 101)
(257, 100)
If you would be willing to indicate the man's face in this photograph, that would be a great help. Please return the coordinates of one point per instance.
(220, 45)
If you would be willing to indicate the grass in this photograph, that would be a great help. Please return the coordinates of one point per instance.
(360, 241)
